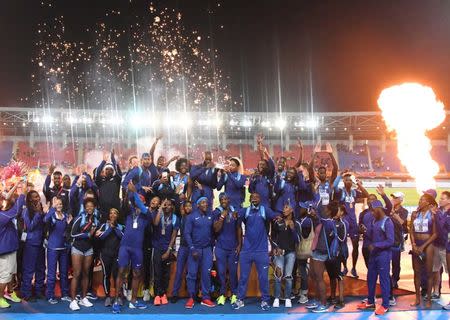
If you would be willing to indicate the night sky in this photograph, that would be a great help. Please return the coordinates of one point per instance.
(348, 50)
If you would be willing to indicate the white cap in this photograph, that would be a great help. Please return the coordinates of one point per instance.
(398, 194)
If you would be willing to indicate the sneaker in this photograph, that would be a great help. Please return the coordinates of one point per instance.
(85, 302)
(119, 301)
(276, 303)
(365, 305)
(365, 300)
(288, 303)
(303, 299)
(345, 271)
(157, 301)
(173, 299)
(446, 307)
(137, 305)
(164, 300)
(124, 290)
(66, 298)
(265, 306)
(208, 303)
(339, 306)
(116, 308)
(74, 305)
(354, 273)
(146, 296)
(392, 302)
(108, 302)
(12, 297)
(189, 304)
(380, 310)
(91, 296)
(238, 304)
(221, 300)
(435, 297)
(4, 304)
(311, 305)
(77, 297)
(233, 299)
(52, 301)
(320, 309)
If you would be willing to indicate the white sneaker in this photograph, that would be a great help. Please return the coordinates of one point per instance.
(276, 303)
(147, 296)
(288, 303)
(85, 303)
(129, 295)
(303, 299)
(74, 305)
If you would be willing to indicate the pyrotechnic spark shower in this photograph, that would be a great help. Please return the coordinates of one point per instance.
(411, 110)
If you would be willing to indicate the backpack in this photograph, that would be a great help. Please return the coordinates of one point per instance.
(336, 247)
(303, 250)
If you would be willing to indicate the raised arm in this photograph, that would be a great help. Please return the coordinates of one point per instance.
(152, 149)
(334, 172)
(300, 153)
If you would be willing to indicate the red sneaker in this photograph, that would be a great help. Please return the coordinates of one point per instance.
(164, 300)
(208, 303)
(380, 310)
(189, 304)
(157, 301)
(365, 305)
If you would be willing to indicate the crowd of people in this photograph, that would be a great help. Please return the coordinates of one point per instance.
(298, 220)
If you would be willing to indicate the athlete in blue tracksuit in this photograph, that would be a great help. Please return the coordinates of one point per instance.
(165, 230)
(58, 223)
(381, 237)
(183, 252)
(80, 186)
(198, 233)
(34, 253)
(143, 176)
(206, 175)
(348, 197)
(255, 249)
(261, 182)
(9, 243)
(130, 251)
(228, 231)
(234, 182)
(286, 191)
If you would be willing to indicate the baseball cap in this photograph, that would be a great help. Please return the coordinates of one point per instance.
(398, 195)
(376, 204)
(431, 192)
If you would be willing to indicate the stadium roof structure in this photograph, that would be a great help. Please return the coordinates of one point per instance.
(100, 123)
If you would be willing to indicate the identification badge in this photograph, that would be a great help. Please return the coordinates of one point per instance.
(325, 197)
(23, 237)
(163, 231)
(135, 225)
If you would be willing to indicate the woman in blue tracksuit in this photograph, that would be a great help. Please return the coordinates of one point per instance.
(234, 181)
(80, 186)
(9, 244)
(58, 223)
(286, 191)
(381, 237)
(255, 249)
(182, 181)
(227, 228)
(110, 234)
(34, 252)
(183, 252)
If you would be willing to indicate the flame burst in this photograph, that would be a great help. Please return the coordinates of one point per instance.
(411, 109)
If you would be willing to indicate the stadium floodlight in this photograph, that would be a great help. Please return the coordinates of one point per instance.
(72, 120)
(312, 124)
(86, 120)
(137, 120)
(233, 122)
(211, 122)
(280, 123)
(265, 124)
(246, 123)
(48, 119)
(36, 120)
(115, 121)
